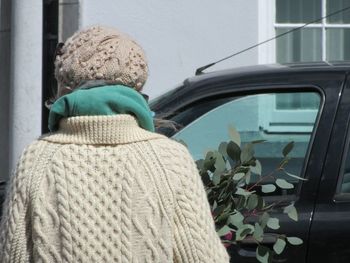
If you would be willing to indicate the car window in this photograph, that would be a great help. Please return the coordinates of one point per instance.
(253, 116)
(344, 178)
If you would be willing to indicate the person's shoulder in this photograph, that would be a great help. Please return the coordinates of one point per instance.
(37, 149)
(170, 149)
(168, 144)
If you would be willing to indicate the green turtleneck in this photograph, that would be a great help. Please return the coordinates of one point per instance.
(102, 100)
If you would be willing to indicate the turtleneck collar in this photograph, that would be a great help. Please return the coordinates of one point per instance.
(100, 130)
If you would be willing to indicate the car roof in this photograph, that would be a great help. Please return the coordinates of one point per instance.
(338, 66)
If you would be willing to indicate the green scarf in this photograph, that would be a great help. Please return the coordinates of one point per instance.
(102, 100)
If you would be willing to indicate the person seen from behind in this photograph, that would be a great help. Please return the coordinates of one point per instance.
(103, 186)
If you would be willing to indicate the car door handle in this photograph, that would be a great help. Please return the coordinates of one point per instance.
(247, 247)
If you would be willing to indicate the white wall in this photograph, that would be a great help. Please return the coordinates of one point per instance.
(25, 76)
(180, 35)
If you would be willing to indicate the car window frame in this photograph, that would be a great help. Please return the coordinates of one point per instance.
(238, 91)
(340, 197)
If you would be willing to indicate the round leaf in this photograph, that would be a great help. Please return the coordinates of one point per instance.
(294, 241)
(216, 177)
(268, 188)
(224, 231)
(252, 202)
(243, 231)
(233, 151)
(264, 218)
(234, 135)
(284, 184)
(220, 163)
(291, 212)
(279, 246)
(257, 169)
(241, 191)
(258, 232)
(273, 223)
(223, 148)
(247, 152)
(236, 219)
(238, 176)
(262, 254)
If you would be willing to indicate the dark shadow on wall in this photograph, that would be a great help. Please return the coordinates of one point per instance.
(5, 57)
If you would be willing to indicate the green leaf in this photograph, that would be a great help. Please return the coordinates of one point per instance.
(279, 246)
(295, 176)
(261, 202)
(216, 177)
(238, 176)
(268, 188)
(209, 161)
(257, 169)
(223, 148)
(247, 178)
(291, 211)
(264, 218)
(262, 254)
(236, 219)
(205, 178)
(288, 148)
(240, 202)
(200, 164)
(241, 191)
(294, 241)
(258, 233)
(220, 163)
(224, 231)
(243, 231)
(273, 223)
(252, 202)
(234, 135)
(247, 153)
(233, 151)
(284, 184)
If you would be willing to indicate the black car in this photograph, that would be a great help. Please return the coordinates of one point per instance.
(305, 103)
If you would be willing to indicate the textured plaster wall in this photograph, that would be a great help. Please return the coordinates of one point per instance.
(180, 35)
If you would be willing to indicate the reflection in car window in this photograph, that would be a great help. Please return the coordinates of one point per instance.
(253, 117)
(344, 184)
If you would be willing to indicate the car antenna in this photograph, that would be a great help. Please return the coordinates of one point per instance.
(201, 69)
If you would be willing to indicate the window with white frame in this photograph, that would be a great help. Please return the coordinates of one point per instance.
(327, 40)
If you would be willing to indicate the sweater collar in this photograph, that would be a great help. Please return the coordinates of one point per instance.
(100, 130)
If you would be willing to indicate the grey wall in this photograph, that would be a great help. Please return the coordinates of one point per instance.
(180, 35)
(5, 34)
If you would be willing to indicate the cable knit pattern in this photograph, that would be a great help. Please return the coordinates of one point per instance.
(102, 189)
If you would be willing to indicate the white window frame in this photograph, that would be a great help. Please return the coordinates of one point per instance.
(323, 25)
(267, 54)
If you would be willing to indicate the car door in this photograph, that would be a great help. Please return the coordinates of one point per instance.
(330, 231)
(252, 111)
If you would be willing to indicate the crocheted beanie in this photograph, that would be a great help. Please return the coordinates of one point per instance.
(100, 53)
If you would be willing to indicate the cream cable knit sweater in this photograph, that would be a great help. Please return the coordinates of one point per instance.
(104, 190)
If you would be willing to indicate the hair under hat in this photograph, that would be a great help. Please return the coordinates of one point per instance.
(100, 53)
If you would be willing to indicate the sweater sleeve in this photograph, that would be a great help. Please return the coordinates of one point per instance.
(15, 234)
(196, 239)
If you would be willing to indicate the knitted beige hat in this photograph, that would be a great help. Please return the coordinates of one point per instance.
(100, 53)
